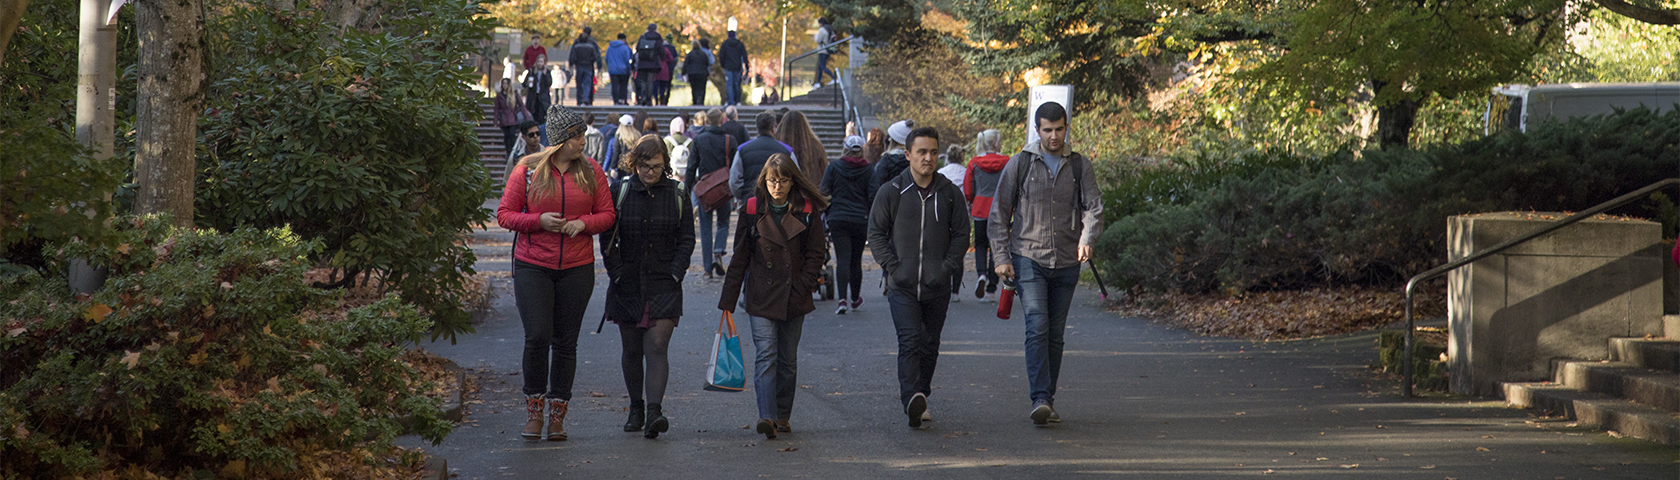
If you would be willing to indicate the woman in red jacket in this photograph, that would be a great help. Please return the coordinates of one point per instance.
(556, 200)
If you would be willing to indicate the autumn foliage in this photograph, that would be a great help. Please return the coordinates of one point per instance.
(205, 354)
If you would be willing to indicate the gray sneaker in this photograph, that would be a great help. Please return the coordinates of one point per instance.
(917, 407)
(927, 416)
(1041, 413)
(1055, 417)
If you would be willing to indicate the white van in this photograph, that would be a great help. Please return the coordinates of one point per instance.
(1517, 107)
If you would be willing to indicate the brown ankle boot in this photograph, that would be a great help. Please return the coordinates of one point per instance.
(533, 418)
(556, 420)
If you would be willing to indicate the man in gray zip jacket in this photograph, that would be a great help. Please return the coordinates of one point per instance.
(918, 232)
(1044, 220)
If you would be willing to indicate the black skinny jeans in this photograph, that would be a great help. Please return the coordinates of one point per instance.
(551, 304)
(849, 242)
(983, 256)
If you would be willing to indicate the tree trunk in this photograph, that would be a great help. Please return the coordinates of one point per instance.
(1394, 123)
(171, 88)
(11, 13)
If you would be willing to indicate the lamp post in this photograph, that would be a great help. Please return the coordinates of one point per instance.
(96, 82)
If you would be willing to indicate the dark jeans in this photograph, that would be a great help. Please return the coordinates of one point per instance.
(822, 68)
(849, 243)
(776, 364)
(551, 306)
(510, 134)
(1045, 294)
(919, 324)
(620, 88)
(585, 86)
(662, 91)
(697, 86)
(983, 256)
(732, 87)
(646, 87)
(714, 234)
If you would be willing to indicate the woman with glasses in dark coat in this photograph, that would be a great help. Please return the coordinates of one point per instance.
(646, 256)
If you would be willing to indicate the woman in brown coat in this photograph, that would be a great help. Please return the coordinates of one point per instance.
(779, 252)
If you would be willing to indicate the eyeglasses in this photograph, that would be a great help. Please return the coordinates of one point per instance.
(776, 180)
(659, 167)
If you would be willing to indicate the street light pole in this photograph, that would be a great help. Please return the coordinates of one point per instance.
(96, 77)
(96, 81)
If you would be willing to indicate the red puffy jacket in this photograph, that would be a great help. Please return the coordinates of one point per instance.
(548, 249)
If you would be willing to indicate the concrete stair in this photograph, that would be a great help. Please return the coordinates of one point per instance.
(1635, 392)
(492, 148)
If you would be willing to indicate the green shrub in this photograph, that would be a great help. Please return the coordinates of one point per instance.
(1281, 223)
(359, 139)
(205, 352)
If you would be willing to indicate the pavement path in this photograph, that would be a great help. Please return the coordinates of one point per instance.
(1139, 400)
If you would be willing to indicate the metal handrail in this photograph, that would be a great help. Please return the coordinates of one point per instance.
(1411, 285)
(786, 63)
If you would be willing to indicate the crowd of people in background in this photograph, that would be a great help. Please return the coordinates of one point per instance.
(639, 71)
(630, 185)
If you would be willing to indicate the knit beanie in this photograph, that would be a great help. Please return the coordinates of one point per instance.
(563, 124)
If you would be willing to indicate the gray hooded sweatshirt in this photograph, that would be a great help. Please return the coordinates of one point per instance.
(1042, 217)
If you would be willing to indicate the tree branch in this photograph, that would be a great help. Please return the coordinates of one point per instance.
(1654, 16)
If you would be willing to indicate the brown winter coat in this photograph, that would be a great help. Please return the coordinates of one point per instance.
(778, 267)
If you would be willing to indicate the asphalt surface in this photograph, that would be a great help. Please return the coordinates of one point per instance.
(1139, 400)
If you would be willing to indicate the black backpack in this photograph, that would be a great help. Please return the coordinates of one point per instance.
(647, 50)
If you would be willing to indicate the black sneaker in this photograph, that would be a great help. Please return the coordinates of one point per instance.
(980, 288)
(1041, 413)
(918, 405)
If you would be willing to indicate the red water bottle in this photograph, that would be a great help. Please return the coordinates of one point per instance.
(1006, 299)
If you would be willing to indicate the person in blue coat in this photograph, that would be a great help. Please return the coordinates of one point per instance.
(620, 63)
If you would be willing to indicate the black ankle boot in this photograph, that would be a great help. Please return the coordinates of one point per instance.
(636, 418)
(656, 422)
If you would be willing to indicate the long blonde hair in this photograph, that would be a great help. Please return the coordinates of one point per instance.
(539, 172)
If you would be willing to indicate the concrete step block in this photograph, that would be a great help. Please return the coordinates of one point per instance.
(1656, 354)
(1656, 388)
(1598, 410)
(1671, 326)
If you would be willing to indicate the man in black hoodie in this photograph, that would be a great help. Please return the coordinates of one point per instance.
(650, 52)
(585, 59)
(918, 232)
(732, 54)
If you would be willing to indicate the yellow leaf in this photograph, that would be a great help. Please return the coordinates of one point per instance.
(267, 331)
(197, 358)
(123, 249)
(224, 428)
(209, 311)
(274, 385)
(131, 359)
(16, 331)
(97, 312)
(234, 469)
